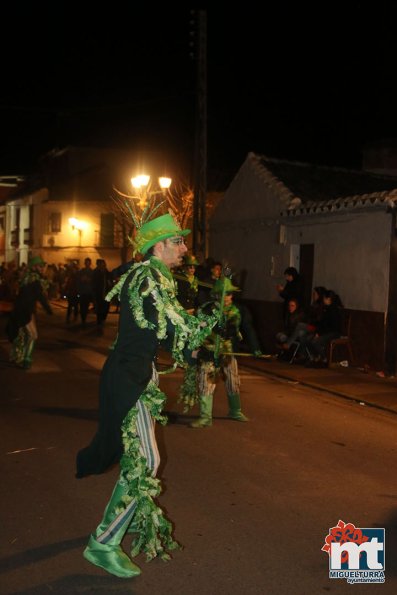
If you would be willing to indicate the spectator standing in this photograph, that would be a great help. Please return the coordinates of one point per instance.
(292, 289)
(71, 292)
(85, 289)
(102, 284)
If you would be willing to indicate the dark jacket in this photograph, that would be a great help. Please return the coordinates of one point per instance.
(247, 329)
(124, 377)
(291, 320)
(293, 290)
(101, 283)
(187, 291)
(331, 321)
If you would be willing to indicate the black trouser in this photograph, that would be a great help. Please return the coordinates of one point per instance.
(85, 300)
(73, 306)
(102, 309)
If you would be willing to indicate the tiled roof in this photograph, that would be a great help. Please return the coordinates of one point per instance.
(305, 188)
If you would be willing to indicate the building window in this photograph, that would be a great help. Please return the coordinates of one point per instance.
(54, 222)
(107, 230)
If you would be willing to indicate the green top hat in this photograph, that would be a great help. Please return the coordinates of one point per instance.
(229, 287)
(157, 230)
(36, 260)
(190, 260)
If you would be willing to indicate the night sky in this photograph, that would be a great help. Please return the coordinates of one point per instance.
(302, 83)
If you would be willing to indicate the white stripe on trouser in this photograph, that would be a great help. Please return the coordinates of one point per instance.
(145, 427)
(232, 377)
(116, 524)
(31, 336)
(31, 329)
(207, 373)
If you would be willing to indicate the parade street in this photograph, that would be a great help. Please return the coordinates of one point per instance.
(251, 503)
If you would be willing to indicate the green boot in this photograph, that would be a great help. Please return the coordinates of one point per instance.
(104, 548)
(27, 362)
(235, 407)
(205, 418)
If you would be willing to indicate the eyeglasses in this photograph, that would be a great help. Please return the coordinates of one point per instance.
(177, 241)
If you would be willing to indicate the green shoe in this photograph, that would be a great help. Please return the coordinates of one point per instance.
(238, 416)
(235, 407)
(205, 418)
(111, 558)
(201, 422)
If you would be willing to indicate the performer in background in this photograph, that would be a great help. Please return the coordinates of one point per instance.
(216, 358)
(188, 284)
(21, 327)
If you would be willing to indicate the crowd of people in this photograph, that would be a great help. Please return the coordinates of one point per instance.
(36, 282)
(308, 332)
(83, 288)
(11, 276)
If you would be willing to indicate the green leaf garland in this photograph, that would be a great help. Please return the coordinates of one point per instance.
(153, 529)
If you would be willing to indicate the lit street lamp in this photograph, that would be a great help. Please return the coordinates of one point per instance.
(142, 185)
(79, 225)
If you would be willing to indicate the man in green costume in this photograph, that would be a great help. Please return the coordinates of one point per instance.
(130, 400)
(216, 356)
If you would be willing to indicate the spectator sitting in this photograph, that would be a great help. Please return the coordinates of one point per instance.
(328, 328)
(293, 318)
(305, 330)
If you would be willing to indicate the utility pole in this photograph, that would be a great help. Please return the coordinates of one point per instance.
(200, 150)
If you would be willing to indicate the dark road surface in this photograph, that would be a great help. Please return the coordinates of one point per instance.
(251, 503)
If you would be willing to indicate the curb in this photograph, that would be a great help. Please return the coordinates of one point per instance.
(320, 387)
